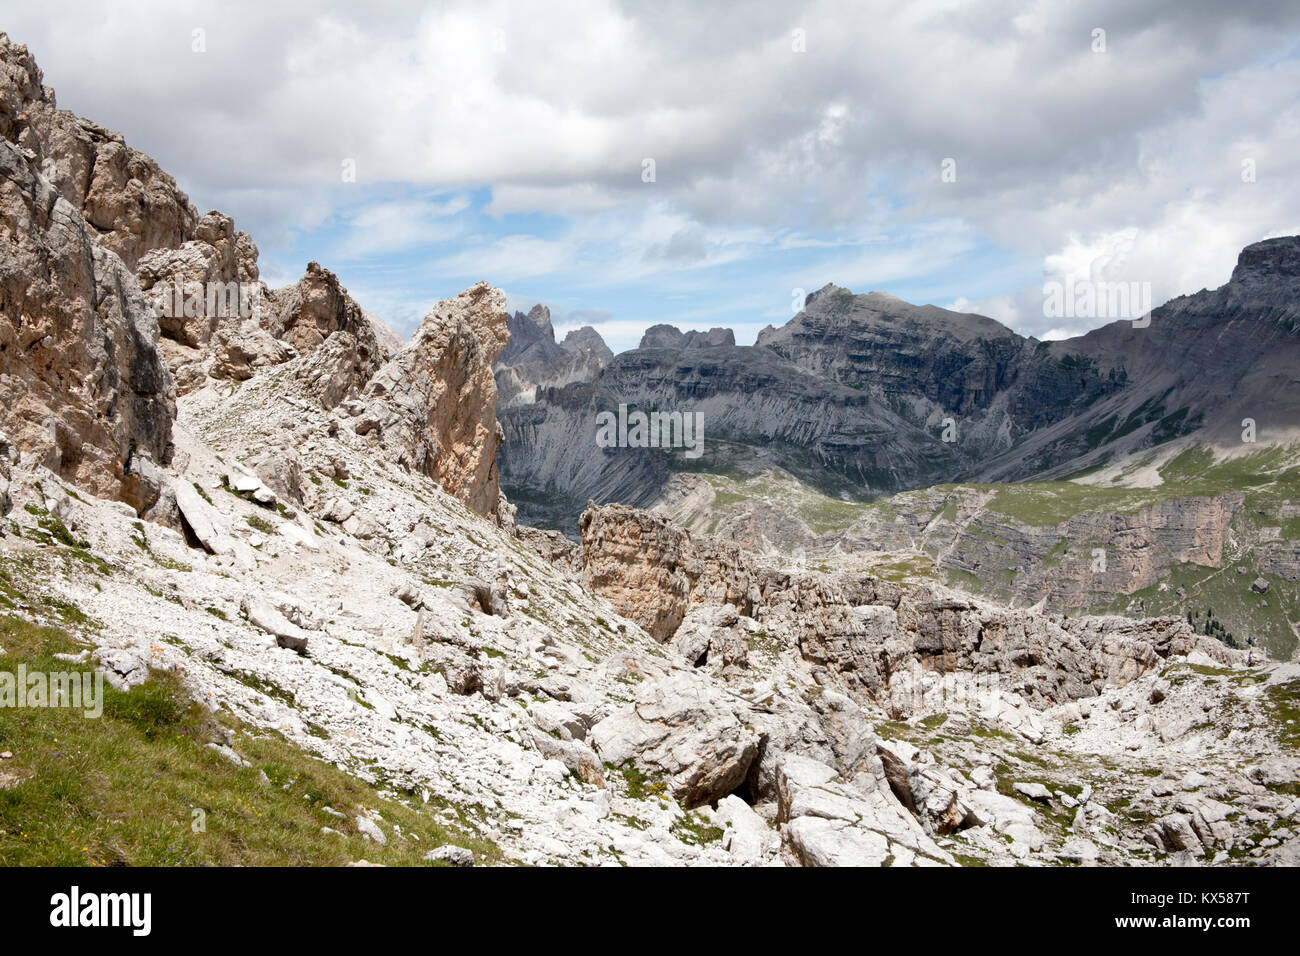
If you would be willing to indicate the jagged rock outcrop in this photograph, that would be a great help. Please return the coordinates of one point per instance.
(433, 406)
(671, 337)
(532, 338)
(654, 571)
(313, 319)
(199, 273)
(895, 646)
(82, 385)
(317, 312)
(891, 644)
(177, 280)
(587, 339)
(532, 361)
(129, 204)
(83, 358)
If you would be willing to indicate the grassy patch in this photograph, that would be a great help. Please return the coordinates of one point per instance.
(1283, 705)
(693, 831)
(257, 523)
(640, 785)
(139, 786)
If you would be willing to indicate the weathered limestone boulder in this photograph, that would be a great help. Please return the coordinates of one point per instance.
(433, 405)
(574, 754)
(746, 835)
(1173, 833)
(934, 795)
(555, 720)
(830, 823)
(712, 635)
(679, 730)
(1008, 816)
(262, 614)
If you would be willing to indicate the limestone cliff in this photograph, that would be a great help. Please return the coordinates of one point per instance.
(82, 386)
(434, 404)
(876, 637)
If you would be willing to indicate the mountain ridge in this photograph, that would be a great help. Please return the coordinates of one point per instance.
(327, 603)
(959, 396)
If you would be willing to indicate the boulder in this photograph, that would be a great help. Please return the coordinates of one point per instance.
(830, 823)
(450, 855)
(677, 728)
(370, 831)
(746, 835)
(261, 613)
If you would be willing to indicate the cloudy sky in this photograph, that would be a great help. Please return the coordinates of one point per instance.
(792, 146)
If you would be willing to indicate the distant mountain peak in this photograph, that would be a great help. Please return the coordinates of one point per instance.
(1270, 259)
(587, 339)
(671, 337)
(532, 337)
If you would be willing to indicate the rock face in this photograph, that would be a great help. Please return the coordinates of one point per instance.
(867, 394)
(215, 254)
(889, 644)
(755, 406)
(82, 384)
(925, 363)
(1054, 560)
(86, 347)
(317, 312)
(587, 339)
(677, 729)
(533, 361)
(671, 337)
(434, 404)
(532, 339)
(654, 571)
(313, 319)
(129, 204)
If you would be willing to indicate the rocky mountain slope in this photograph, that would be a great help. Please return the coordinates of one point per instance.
(1213, 538)
(864, 395)
(326, 566)
(534, 360)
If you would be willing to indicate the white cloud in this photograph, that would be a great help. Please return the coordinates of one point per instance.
(394, 227)
(1063, 155)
